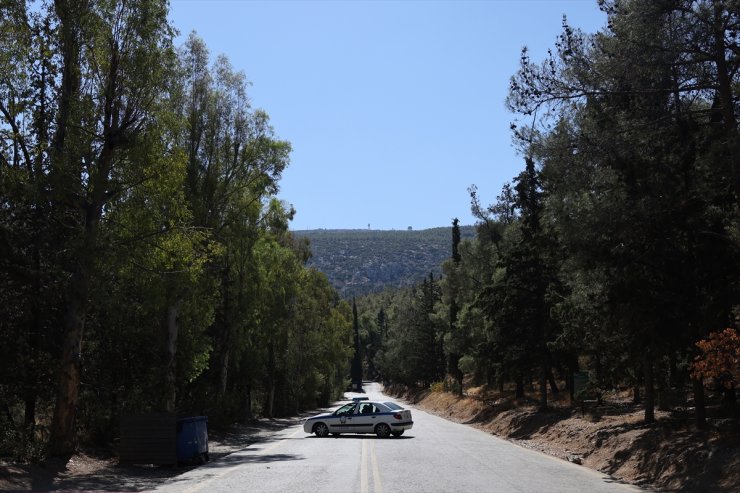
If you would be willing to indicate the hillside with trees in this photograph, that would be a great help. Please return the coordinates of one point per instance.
(359, 261)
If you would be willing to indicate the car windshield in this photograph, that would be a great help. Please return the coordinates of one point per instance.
(393, 406)
(346, 409)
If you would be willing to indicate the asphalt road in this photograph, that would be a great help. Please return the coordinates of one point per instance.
(435, 456)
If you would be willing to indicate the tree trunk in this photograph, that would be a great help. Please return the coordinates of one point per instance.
(248, 416)
(544, 370)
(456, 374)
(553, 383)
(599, 372)
(225, 336)
(729, 402)
(31, 372)
(636, 395)
(673, 374)
(699, 404)
(29, 412)
(270, 397)
(170, 393)
(649, 391)
(543, 388)
(519, 388)
(663, 399)
(663, 387)
(62, 439)
(570, 385)
(224, 372)
(62, 432)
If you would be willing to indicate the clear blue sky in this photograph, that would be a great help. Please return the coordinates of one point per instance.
(393, 108)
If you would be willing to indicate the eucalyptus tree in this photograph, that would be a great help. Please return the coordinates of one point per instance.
(318, 345)
(234, 162)
(31, 281)
(88, 81)
(157, 256)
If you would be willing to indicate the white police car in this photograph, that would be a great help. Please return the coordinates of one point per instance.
(362, 416)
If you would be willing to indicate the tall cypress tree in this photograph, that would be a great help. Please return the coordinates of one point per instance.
(356, 371)
(453, 356)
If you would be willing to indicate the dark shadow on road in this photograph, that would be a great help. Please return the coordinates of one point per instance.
(128, 478)
(236, 459)
(211, 470)
(360, 437)
(55, 475)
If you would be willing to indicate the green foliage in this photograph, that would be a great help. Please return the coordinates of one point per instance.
(145, 262)
(437, 387)
(616, 248)
(631, 196)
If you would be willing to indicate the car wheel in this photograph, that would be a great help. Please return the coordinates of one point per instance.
(397, 433)
(383, 430)
(321, 430)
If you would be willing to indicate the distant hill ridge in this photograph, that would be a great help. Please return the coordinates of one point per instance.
(361, 261)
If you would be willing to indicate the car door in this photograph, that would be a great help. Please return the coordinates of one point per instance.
(342, 420)
(365, 418)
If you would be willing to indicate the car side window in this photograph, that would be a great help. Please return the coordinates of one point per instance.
(346, 409)
(369, 409)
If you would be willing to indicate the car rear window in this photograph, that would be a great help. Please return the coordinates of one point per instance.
(393, 406)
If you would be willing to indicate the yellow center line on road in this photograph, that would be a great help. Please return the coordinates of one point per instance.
(376, 470)
(364, 479)
(363, 468)
(205, 481)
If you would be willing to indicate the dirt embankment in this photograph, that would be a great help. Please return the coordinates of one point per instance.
(669, 455)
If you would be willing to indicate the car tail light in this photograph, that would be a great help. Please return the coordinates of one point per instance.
(398, 416)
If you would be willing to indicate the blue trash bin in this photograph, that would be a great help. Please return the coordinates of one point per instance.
(192, 439)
